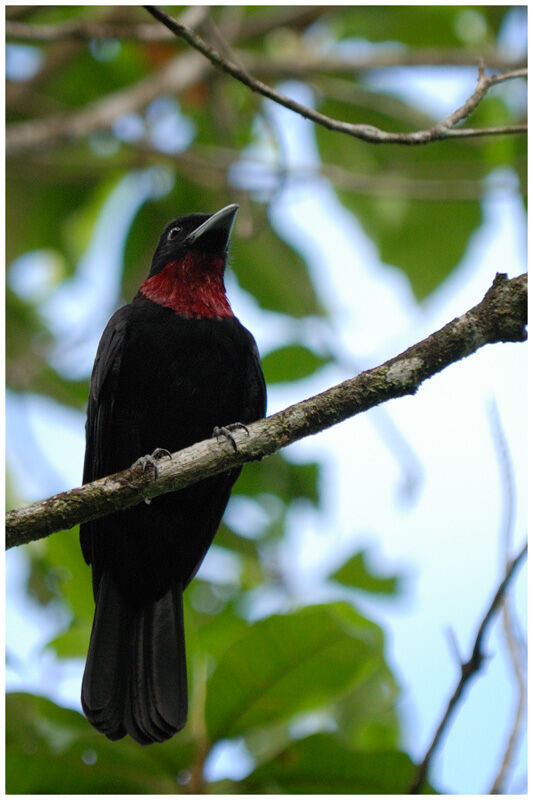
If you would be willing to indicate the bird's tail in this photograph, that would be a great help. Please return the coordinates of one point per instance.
(135, 679)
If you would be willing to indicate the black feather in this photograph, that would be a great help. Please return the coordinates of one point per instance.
(160, 379)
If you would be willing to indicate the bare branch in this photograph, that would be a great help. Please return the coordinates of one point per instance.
(302, 64)
(512, 641)
(208, 165)
(500, 317)
(176, 76)
(85, 30)
(468, 670)
(367, 133)
(484, 82)
(39, 134)
(305, 62)
(182, 72)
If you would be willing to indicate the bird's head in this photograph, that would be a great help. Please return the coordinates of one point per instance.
(204, 235)
(187, 271)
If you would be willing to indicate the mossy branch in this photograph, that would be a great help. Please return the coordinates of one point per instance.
(500, 317)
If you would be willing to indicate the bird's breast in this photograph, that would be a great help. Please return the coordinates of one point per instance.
(179, 379)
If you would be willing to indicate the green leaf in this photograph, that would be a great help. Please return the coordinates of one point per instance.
(357, 574)
(290, 663)
(411, 212)
(212, 634)
(426, 240)
(322, 764)
(291, 363)
(367, 717)
(89, 79)
(53, 750)
(274, 274)
(80, 224)
(37, 211)
(422, 26)
(231, 540)
(74, 642)
(58, 570)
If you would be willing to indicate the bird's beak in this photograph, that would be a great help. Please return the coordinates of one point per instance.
(220, 223)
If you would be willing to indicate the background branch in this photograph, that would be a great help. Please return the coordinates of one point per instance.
(175, 76)
(259, 24)
(468, 670)
(367, 133)
(187, 70)
(209, 165)
(512, 639)
(499, 317)
(302, 64)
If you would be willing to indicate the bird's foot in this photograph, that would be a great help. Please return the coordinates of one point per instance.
(150, 460)
(159, 452)
(226, 431)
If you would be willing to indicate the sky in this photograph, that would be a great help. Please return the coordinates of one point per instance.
(441, 530)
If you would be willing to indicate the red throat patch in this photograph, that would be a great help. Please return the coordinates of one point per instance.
(193, 286)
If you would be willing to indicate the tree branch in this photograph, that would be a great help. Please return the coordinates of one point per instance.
(85, 31)
(257, 25)
(184, 71)
(500, 317)
(306, 62)
(510, 624)
(367, 133)
(208, 165)
(468, 669)
(176, 76)
(300, 64)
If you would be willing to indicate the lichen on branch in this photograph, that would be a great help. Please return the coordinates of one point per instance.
(501, 316)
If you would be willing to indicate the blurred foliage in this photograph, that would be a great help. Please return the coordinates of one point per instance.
(308, 692)
(356, 574)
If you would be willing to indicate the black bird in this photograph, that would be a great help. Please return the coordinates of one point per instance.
(171, 366)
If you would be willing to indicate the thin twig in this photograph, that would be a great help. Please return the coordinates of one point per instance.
(468, 670)
(209, 165)
(512, 641)
(500, 317)
(52, 131)
(367, 133)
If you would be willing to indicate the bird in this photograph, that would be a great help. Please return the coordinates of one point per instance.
(172, 366)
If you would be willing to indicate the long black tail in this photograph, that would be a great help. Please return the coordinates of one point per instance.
(135, 678)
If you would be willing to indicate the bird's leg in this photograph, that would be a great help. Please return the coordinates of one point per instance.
(144, 461)
(225, 430)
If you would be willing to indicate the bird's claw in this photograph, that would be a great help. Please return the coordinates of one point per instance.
(150, 460)
(226, 431)
(159, 452)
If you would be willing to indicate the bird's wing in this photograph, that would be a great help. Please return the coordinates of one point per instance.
(255, 391)
(98, 428)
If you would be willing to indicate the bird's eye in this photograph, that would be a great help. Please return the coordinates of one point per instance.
(173, 232)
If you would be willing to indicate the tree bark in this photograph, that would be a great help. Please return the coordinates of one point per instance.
(500, 317)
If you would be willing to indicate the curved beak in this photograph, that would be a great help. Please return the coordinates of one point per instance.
(220, 223)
